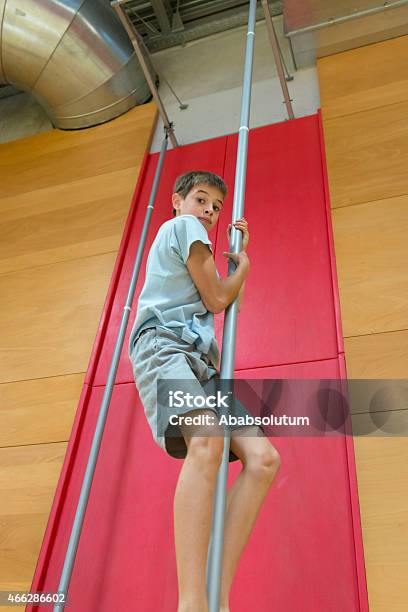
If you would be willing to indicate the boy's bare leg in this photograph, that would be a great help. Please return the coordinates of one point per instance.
(244, 499)
(193, 503)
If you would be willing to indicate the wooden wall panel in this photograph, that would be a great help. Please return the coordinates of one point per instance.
(367, 155)
(64, 222)
(49, 317)
(57, 157)
(38, 411)
(364, 96)
(378, 355)
(372, 254)
(382, 474)
(65, 201)
(364, 78)
(60, 239)
(28, 477)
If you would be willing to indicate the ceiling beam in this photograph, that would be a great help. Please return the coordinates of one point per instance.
(207, 25)
(161, 15)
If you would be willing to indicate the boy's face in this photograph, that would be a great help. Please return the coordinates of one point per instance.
(203, 201)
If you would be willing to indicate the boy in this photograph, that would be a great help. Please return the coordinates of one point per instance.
(173, 338)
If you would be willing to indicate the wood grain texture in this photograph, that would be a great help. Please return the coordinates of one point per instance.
(49, 317)
(57, 157)
(60, 229)
(38, 411)
(28, 477)
(378, 355)
(371, 255)
(364, 96)
(367, 155)
(65, 201)
(382, 468)
(360, 79)
(68, 221)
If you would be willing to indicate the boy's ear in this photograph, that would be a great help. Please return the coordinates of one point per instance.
(176, 199)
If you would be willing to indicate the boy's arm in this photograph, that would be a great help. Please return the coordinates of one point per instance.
(215, 293)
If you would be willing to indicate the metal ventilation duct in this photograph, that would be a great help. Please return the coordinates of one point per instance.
(317, 28)
(74, 56)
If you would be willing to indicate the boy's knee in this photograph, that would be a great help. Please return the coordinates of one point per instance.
(206, 451)
(264, 464)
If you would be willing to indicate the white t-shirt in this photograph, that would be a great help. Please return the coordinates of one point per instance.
(169, 297)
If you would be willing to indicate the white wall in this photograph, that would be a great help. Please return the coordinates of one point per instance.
(207, 75)
(21, 116)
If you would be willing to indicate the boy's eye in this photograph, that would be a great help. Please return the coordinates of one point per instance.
(202, 200)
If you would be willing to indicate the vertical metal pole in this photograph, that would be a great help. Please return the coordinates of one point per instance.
(214, 562)
(103, 411)
(292, 54)
(131, 32)
(278, 60)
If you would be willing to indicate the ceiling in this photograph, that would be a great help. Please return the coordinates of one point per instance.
(167, 23)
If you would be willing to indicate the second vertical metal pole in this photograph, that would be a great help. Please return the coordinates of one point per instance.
(103, 410)
(215, 554)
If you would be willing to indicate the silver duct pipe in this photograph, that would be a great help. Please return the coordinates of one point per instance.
(75, 58)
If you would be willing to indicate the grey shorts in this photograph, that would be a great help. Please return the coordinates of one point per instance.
(161, 354)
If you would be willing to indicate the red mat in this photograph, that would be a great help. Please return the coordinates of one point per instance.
(305, 553)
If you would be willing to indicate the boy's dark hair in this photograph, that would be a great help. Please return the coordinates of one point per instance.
(185, 183)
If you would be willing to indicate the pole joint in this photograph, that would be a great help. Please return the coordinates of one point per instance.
(169, 129)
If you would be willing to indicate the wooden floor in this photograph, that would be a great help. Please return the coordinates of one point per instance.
(364, 96)
(65, 201)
